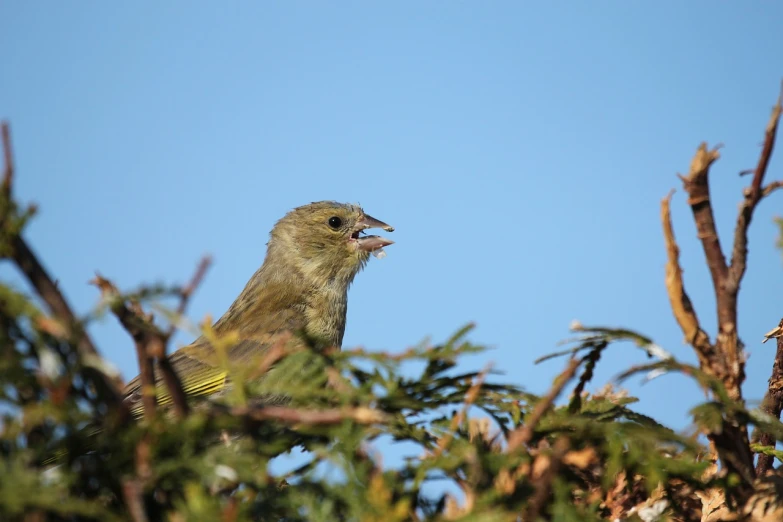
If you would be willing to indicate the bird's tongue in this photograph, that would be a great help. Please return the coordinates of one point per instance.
(373, 243)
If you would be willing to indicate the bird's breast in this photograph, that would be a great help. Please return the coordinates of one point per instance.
(325, 314)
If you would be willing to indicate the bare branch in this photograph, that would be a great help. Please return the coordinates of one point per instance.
(678, 297)
(771, 187)
(137, 325)
(696, 184)
(726, 363)
(187, 291)
(724, 359)
(360, 415)
(8, 173)
(772, 403)
(150, 344)
(174, 385)
(131, 492)
(753, 196)
(143, 458)
(24, 258)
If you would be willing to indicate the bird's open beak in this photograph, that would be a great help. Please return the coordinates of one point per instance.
(371, 243)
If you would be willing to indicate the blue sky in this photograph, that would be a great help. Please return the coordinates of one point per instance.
(521, 151)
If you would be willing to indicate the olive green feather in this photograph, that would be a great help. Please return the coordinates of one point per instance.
(313, 255)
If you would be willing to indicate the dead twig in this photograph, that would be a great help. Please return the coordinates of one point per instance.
(109, 386)
(131, 493)
(678, 297)
(187, 292)
(150, 343)
(722, 359)
(360, 415)
(8, 172)
(726, 364)
(755, 193)
(771, 187)
(133, 319)
(697, 186)
(772, 405)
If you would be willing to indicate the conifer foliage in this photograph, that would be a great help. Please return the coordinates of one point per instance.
(71, 450)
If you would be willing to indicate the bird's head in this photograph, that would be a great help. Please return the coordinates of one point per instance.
(325, 241)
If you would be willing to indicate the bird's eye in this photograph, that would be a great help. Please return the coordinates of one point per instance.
(335, 222)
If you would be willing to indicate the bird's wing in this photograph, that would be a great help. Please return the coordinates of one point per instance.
(200, 369)
(198, 377)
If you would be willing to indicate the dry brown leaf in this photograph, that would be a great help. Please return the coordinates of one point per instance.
(51, 326)
(714, 508)
(580, 458)
(503, 482)
(766, 504)
(540, 465)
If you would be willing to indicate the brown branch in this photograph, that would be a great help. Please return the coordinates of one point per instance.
(231, 511)
(522, 435)
(137, 325)
(724, 359)
(143, 459)
(45, 287)
(739, 254)
(27, 261)
(8, 173)
(360, 415)
(173, 383)
(543, 485)
(187, 291)
(772, 405)
(725, 363)
(770, 188)
(109, 385)
(150, 344)
(131, 493)
(678, 297)
(169, 375)
(696, 184)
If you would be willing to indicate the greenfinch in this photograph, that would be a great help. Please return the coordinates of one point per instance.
(313, 254)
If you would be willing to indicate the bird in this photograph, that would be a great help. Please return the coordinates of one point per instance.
(298, 295)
